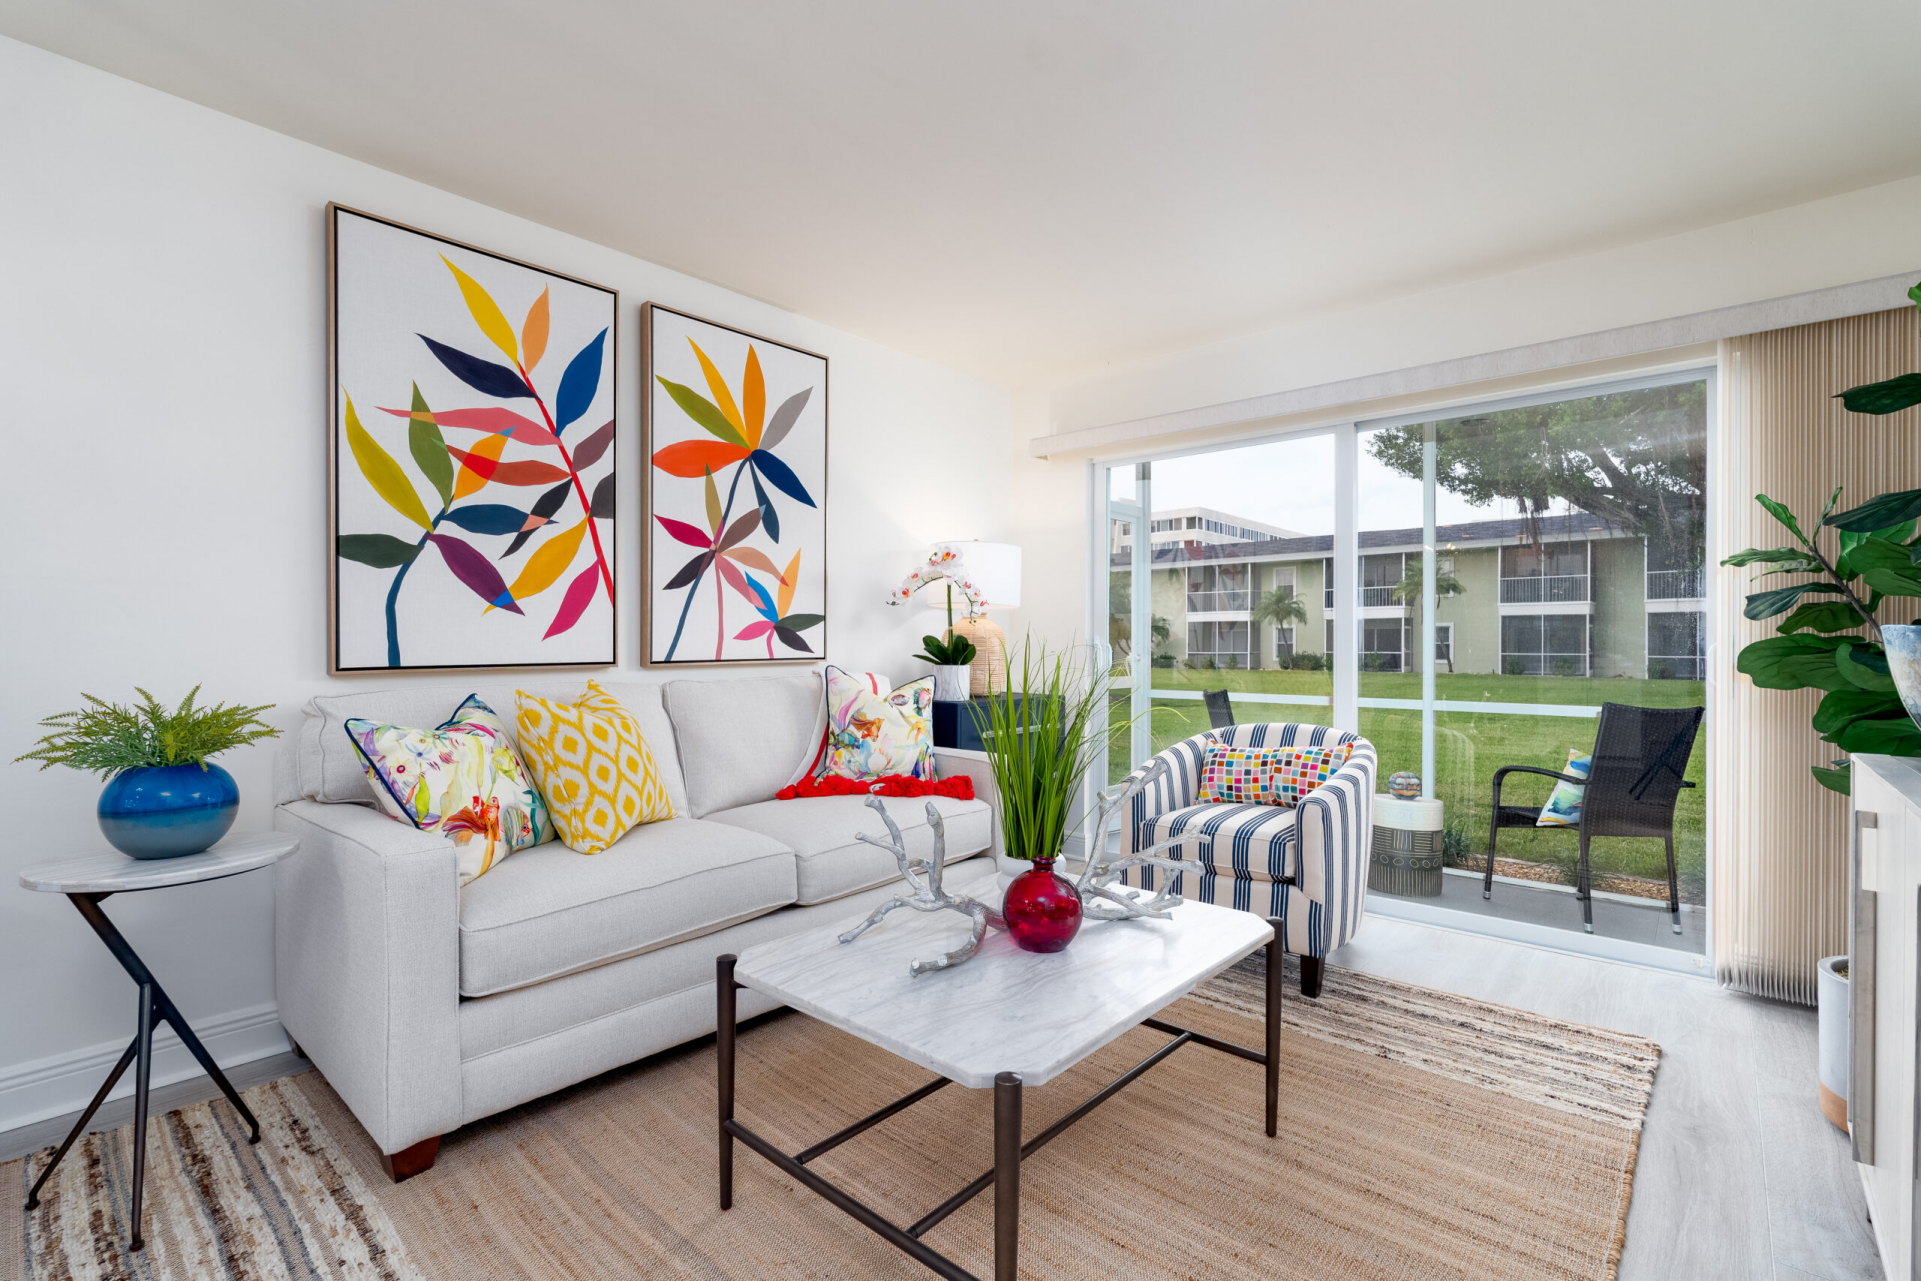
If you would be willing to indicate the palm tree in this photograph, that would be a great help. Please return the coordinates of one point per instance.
(1279, 607)
(1408, 592)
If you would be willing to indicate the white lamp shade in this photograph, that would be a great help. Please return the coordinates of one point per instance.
(995, 569)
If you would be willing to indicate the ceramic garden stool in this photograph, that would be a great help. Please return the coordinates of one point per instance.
(88, 878)
(1406, 858)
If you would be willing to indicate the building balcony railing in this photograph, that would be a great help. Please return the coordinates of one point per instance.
(1545, 589)
(1374, 597)
(1676, 584)
(1228, 602)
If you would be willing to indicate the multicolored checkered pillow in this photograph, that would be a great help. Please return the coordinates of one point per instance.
(1239, 775)
(1299, 770)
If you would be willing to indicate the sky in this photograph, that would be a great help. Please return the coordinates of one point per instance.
(1290, 483)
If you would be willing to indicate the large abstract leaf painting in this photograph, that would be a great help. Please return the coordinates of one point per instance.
(735, 525)
(474, 459)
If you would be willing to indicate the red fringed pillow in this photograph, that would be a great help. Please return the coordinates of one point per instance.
(959, 788)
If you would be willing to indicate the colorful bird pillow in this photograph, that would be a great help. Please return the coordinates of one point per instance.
(462, 778)
(870, 733)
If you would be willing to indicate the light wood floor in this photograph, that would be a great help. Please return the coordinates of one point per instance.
(1740, 1177)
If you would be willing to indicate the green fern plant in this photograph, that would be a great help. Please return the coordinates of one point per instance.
(105, 738)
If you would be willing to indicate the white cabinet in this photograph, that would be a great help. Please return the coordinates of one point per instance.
(1884, 926)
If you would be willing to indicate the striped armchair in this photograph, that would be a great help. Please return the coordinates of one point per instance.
(1306, 866)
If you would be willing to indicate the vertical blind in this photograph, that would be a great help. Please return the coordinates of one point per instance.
(1778, 854)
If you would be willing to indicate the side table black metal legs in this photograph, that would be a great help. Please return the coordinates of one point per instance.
(154, 1007)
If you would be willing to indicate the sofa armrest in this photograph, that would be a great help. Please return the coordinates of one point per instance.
(950, 762)
(367, 965)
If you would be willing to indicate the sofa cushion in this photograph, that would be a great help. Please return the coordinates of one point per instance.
(549, 911)
(743, 740)
(821, 831)
(321, 764)
(1244, 842)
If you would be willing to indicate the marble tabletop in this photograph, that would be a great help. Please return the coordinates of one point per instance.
(111, 872)
(1005, 1010)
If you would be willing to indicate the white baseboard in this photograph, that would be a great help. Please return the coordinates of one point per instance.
(64, 1083)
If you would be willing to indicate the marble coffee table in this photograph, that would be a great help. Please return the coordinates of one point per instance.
(1004, 1019)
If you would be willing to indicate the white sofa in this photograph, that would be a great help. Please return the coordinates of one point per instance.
(428, 1006)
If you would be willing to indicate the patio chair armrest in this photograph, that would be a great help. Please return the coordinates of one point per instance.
(1505, 770)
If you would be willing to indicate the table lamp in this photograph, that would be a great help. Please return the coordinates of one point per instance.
(995, 570)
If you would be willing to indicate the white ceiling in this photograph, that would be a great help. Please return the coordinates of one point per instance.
(1020, 188)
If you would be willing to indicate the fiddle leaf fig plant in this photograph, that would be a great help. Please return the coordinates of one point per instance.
(1835, 644)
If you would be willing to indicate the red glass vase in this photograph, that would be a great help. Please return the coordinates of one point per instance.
(1042, 911)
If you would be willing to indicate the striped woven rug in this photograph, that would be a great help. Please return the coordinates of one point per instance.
(1422, 1136)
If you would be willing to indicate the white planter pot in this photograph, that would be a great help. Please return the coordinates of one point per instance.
(950, 682)
(1831, 1004)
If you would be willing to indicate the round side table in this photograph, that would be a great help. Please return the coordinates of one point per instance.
(86, 879)
(1407, 847)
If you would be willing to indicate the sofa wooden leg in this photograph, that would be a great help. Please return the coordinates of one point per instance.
(407, 1162)
(1311, 969)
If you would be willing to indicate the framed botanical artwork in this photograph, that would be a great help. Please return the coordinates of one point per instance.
(734, 429)
(472, 456)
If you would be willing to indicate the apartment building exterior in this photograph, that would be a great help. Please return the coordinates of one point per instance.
(1557, 596)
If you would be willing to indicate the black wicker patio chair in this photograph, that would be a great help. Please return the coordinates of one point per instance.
(1634, 778)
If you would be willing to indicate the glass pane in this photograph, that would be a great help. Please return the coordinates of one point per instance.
(1240, 540)
(1569, 572)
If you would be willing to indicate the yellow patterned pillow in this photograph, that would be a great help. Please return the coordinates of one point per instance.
(591, 763)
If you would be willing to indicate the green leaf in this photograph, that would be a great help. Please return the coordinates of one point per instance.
(382, 472)
(1863, 664)
(1834, 500)
(1888, 737)
(1879, 513)
(1768, 604)
(1769, 555)
(1805, 565)
(1891, 396)
(703, 411)
(1799, 661)
(1835, 780)
(1893, 582)
(1781, 513)
(1822, 616)
(1850, 563)
(1914, 293)
(382, 551)
(1844, 707)
(424, 442)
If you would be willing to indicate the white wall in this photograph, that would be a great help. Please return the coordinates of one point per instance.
(1860, 235)
(162, 332)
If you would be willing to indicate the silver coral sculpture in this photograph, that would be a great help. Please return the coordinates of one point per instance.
(923, 877)
(1101, 900)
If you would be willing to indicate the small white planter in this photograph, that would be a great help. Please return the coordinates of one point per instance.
(1831, 1005)
(951, 681)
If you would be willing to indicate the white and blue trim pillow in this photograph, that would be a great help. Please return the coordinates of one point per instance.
(1563, 808)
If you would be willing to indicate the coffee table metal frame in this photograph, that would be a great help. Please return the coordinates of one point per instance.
(1009, 1151)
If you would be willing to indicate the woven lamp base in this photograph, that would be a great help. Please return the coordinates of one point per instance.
(990, 662)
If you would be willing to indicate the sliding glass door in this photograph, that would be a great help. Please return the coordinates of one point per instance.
(1515, 566)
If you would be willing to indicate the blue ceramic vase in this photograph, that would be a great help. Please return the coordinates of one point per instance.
(1903, 644)
(165, 811)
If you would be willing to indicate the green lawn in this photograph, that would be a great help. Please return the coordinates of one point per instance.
(1469, 747)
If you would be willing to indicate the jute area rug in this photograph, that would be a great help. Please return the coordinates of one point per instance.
(1422, 1135)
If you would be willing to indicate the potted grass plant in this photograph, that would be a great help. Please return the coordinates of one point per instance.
(952, 660)
(163, 797)
(1041, 736)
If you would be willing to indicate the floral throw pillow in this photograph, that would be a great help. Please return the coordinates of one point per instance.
(870, 734)
(1563, 808)
(1299, 770)
(462, 778)
(1239, 775)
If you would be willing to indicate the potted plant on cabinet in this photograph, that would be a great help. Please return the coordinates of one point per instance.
(952, 660)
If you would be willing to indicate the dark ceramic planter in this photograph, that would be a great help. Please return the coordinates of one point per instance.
(166, 811)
